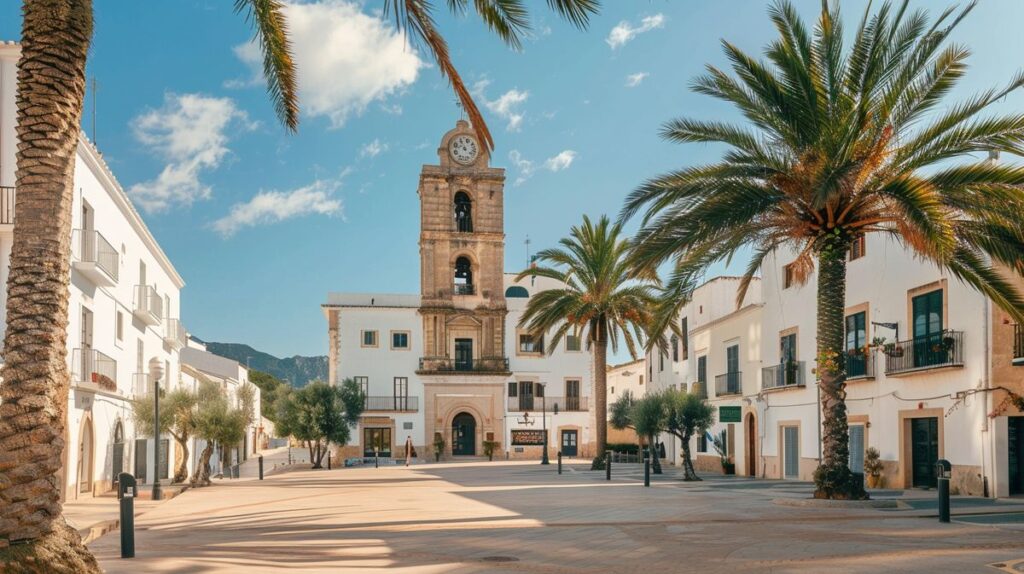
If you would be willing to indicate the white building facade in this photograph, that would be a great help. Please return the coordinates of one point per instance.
(124, 311)
(450, 364)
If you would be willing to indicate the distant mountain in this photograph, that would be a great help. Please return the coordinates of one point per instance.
(298, 370)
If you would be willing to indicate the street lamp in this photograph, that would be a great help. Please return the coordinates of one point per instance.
(156, 372)
(544, 407)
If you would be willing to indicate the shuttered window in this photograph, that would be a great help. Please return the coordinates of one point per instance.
(791, 439)
(857, 448)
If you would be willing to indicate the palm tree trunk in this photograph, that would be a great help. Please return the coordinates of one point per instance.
(34, 394)
(600, 396)
(833, 478)
(688, 472)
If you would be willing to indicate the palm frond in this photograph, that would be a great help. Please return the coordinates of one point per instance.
(279, 69)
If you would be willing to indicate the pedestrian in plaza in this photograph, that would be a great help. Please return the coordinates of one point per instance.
(409, 450)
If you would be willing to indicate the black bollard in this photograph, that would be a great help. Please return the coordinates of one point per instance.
(328, 460)
(559, 462)
(943, 471)
(647, 471)
(261, 466)
(608, 465)
(126, 494)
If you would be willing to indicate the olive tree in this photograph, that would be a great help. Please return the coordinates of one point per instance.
(685, 414)
(320, 414)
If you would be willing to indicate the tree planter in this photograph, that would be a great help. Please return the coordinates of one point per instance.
(729, 468)
(873, 480)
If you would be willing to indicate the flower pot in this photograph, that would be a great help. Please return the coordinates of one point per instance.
(873, 480)
(728, 468)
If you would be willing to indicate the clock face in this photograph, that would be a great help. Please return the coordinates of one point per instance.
(463, 149)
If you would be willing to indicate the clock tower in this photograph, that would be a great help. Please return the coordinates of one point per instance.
(462, 252)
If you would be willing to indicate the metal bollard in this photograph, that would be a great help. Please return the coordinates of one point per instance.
(261, 466)
(126, 492)
(328, 460)
(647, 471)
(943, 471)
(608, 465)
(559, 462)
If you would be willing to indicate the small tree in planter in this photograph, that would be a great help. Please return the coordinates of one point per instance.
(489, 447)
(438, 446)
(720, 442)
(873, 467)
(687, 414)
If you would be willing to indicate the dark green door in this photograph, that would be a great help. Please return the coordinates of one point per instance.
(925, 450)
(464, 435)
(927, 311)
(569, 442)
(1015, 444)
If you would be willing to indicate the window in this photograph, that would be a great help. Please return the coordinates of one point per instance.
(364, 384)
(401, 393)
(463, 281)
(661, 361)
(641, 380)
(517, 292)
(377, 441)
(702, 441)
(572, 343)
(684, 328)
(928, 330)
(788, 276)
(572, 395)
(119, 326)
(513, 389)
(856, 345)
(526, 395)
(675, 349)
(613, 390)
(530, 344)
(369, 338)
(787, 348)
(702, 369)
(400, 340)
(463, 213)
(857, 248)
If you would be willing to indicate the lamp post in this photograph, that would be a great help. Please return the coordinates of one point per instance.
(156, 372)
(544, 410)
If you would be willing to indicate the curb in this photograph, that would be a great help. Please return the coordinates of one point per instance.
(833, 504)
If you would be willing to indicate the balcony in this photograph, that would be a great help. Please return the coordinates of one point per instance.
(93, 367)
(463, 289)
(95, 257)
(783, 376)
(532, 403)
(1018, 344)
(860, 364)
(936, 351)
(174, 334)
(700, 388)
(149, 307)
(391, 404)
(728, 384)
(447, 365)
(6, 205)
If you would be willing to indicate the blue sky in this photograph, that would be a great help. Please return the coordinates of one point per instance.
(575, 115)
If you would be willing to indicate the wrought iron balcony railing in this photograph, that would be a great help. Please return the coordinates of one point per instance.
(783, 376)
(860, 363)
(95, 257)
(728, 384)
(945, 349)
(534, 403)
(92, 366)
(392, 403)
(463, 365)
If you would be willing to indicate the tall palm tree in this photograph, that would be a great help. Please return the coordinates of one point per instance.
(599, 300)
(51, 86)
(842, 143)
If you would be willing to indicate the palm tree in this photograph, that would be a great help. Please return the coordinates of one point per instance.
(599, 298)
(843, 143)
(51, 85)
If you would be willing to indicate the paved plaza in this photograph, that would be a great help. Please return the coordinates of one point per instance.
(522, 517)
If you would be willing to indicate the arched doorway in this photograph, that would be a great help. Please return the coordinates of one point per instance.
(118, 452)
(463, 435)
(751, 427)
(85, 457)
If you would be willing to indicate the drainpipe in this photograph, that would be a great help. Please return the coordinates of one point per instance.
(993, 158)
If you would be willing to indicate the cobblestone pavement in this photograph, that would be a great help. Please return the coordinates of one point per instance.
(512, 517)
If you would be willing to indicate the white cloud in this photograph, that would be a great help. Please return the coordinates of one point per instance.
(268, 207)
(634, 80)
(523, 165)
(624, 31)
(507, 106)
(346, 59)
(190, 133)
(561, 161)
(373, 149)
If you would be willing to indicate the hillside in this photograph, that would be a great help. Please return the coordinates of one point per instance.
(298, 370)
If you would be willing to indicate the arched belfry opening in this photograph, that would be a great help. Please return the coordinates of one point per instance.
(463, 213)
(463, 276)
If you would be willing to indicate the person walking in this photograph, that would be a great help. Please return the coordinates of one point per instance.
(409, 450)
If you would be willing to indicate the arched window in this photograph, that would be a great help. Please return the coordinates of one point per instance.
(463, 276)
(463, 213)
(517, 291)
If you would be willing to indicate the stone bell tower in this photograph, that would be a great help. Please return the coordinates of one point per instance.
(462, 252)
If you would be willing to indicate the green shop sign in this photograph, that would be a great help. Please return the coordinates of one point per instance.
(730, 414)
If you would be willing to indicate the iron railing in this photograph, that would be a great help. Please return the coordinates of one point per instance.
(783, 376)
(94, 248)
(528, 403)
(945, 349)
(149, 306)
(464, 365)
(462, 289)
(392, 403)
(92, 366)
(174, 333)
(860, 363)
(6, 204)
(729, 384)
(1018, 344)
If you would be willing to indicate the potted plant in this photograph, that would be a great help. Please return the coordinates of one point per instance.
(721, 444)
(489, 447)
(872, 467)
(438, 446)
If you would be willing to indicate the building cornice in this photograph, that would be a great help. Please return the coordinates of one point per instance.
(724, 318)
